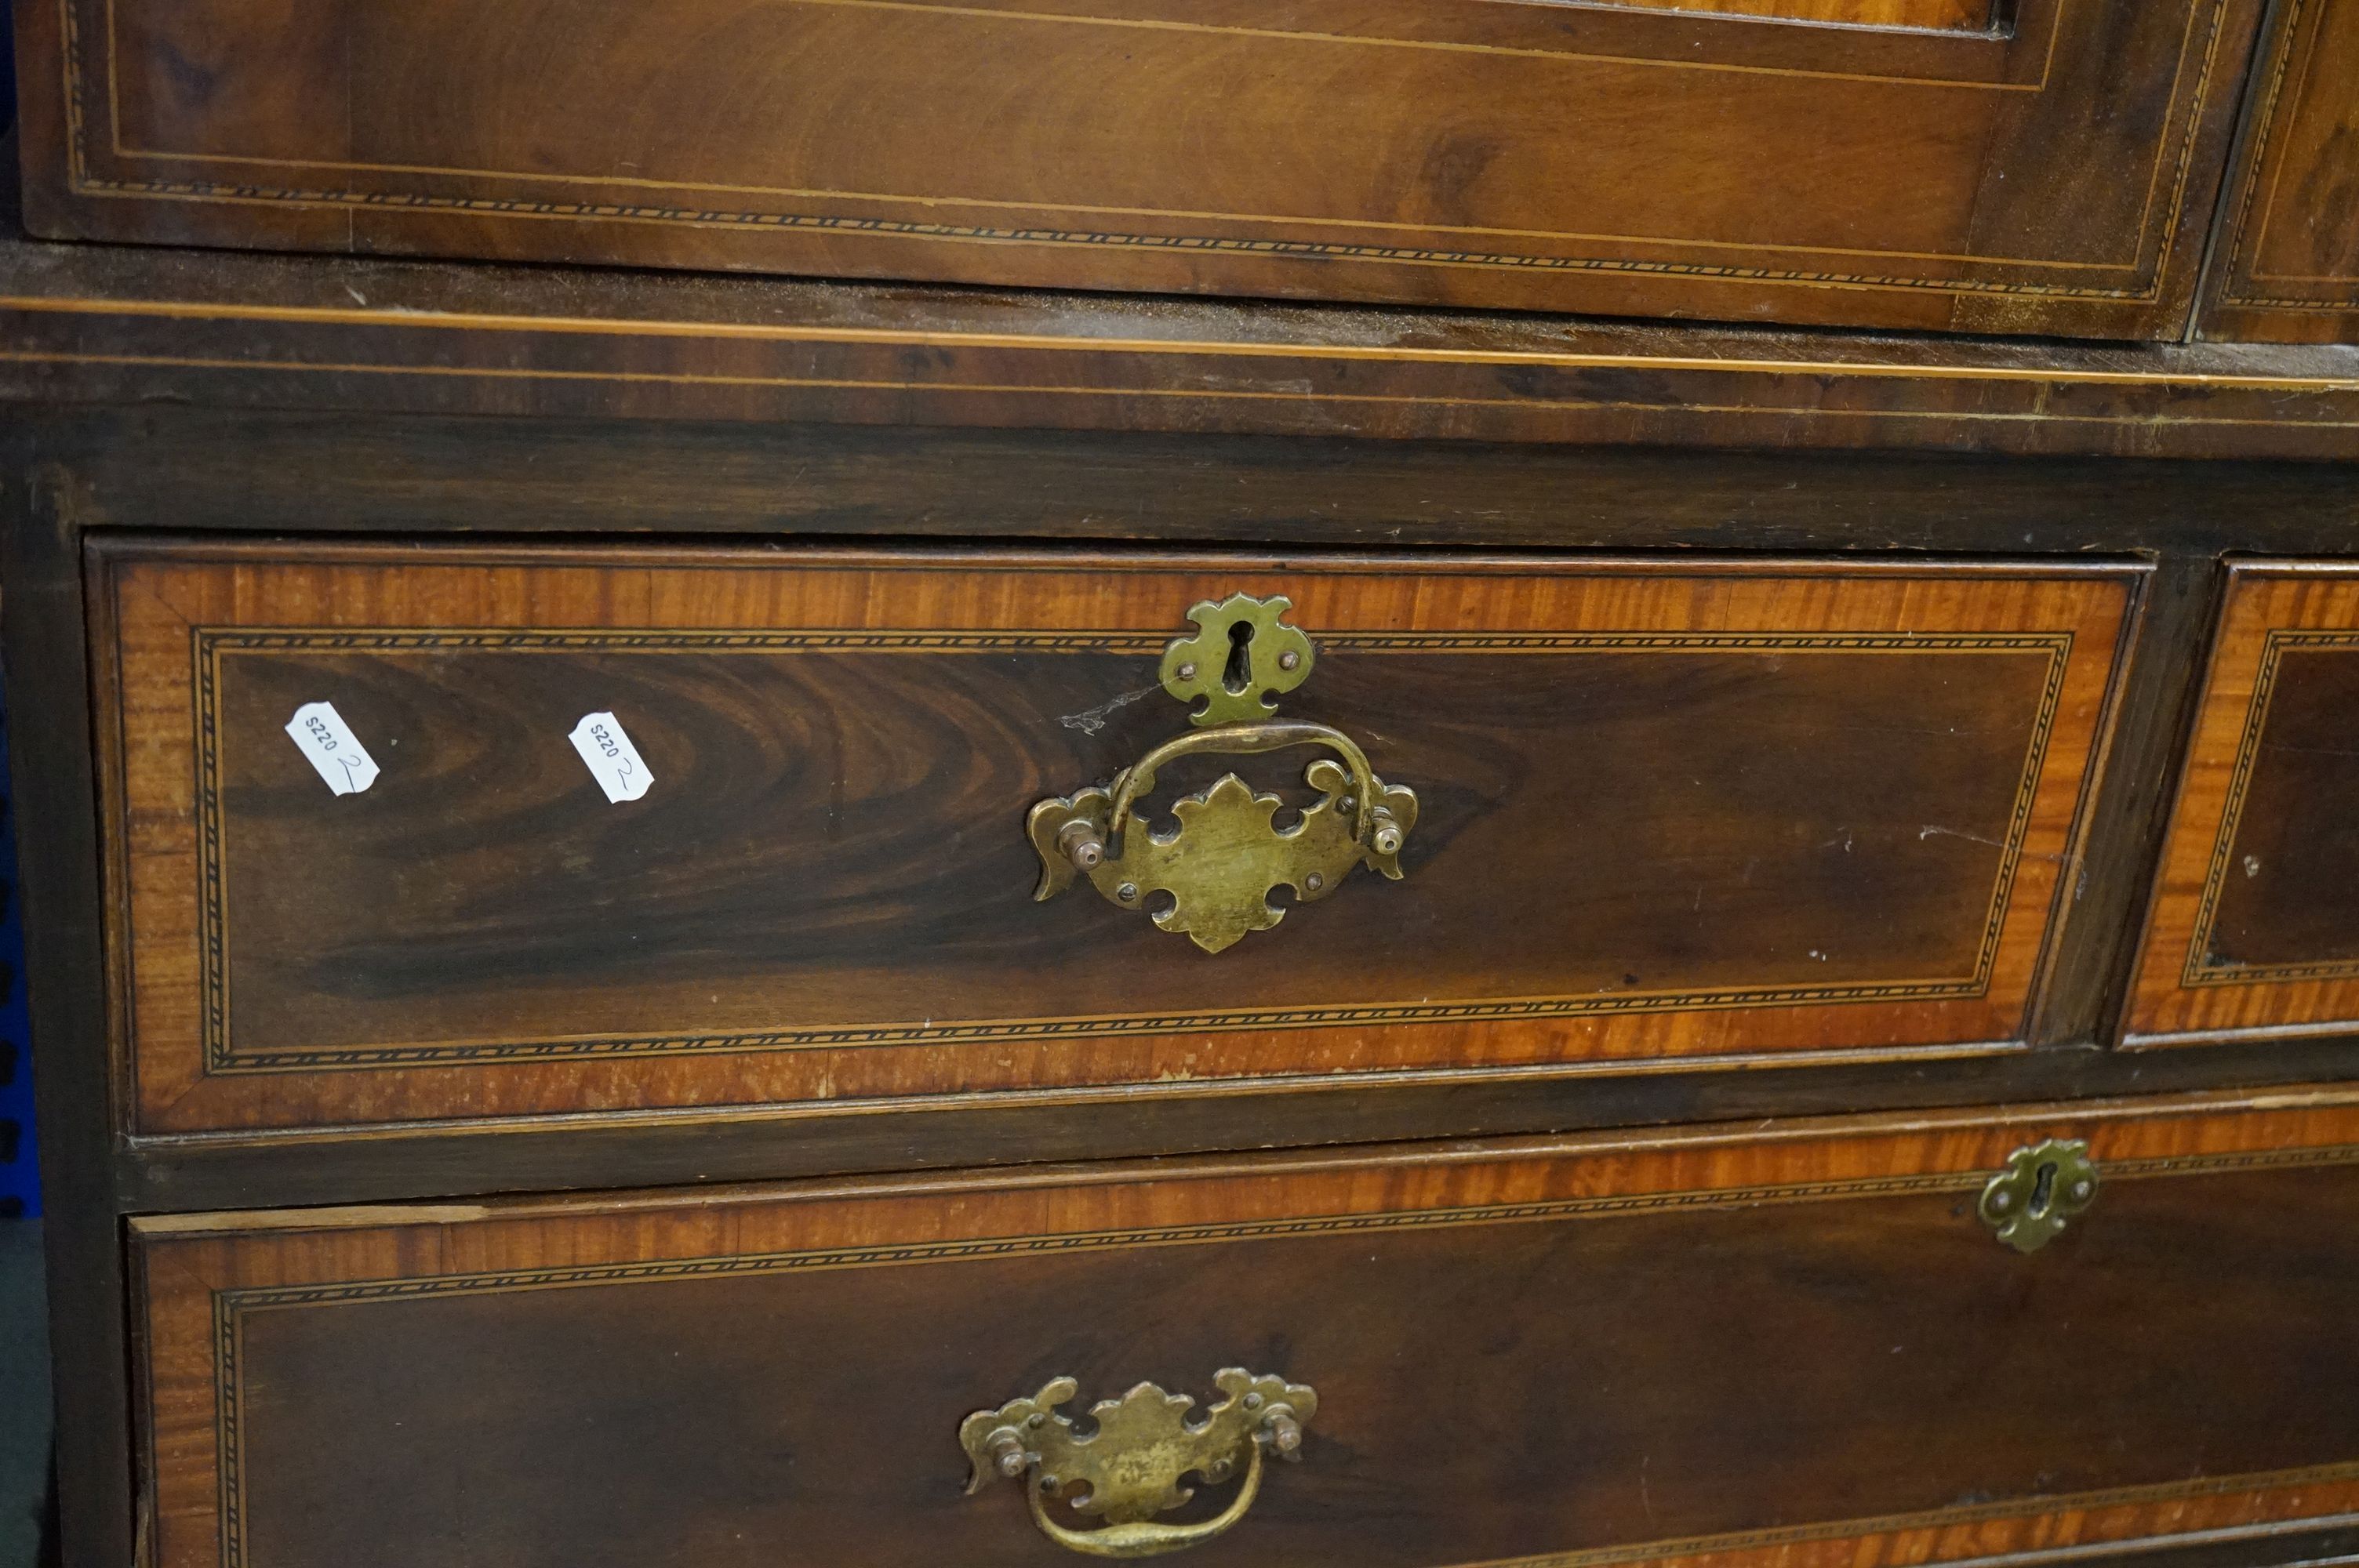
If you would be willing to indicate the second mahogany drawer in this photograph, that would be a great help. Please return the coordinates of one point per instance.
(1639, 811)
(1856, 1342)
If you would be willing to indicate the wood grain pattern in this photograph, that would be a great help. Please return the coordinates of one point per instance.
(1740, 1349)
(2255, 928)
(832, 898)
(2288, 259)
(1625, 160)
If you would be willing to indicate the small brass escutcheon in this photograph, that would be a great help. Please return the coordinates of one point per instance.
(2043, 1188)
(1219, 865)
(1242, 649)
(1130, 1468)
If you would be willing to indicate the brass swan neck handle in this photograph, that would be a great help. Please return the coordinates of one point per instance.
(1220, 866)
(1148, 1538)
(1137, 781)
(1129, 1466)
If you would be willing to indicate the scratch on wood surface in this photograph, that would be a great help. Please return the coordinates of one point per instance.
(1930, 829)
(1090, 720)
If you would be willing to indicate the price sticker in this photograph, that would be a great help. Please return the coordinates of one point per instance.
(606, 751)
(328, 742)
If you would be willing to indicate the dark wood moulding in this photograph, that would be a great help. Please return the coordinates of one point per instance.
(106, 324)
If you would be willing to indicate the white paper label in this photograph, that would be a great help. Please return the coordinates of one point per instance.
(332, 746)
(611, 758)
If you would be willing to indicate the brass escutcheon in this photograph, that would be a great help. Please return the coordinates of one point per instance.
(1227, 855)
(1242, 649)
(1129, 1468)
(2044, 1187)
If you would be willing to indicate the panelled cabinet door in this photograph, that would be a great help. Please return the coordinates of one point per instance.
(2010, 166)
(2288, 264)
(2255, 925)
(1780, 1347)
(428, 832)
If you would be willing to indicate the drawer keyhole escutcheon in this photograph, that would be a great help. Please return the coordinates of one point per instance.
(1218, 868)
(2043, 1187)
(1242, 649)
(1128, 1466)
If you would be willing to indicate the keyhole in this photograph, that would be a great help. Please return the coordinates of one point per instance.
(1239, 673)
(2043, 1189)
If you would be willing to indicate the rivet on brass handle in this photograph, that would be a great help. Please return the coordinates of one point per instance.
(2044, 1187)
(1227, 855)
(1129, 1468)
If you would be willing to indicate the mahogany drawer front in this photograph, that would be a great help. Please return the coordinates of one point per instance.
(2289, 267)
(1981, 165)
(1700, 812)
(1792, 1346)
(2255, 929)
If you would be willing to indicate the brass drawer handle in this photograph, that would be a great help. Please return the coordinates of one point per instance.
(2043, 1188)
(1227, 854)
(1131, 1465)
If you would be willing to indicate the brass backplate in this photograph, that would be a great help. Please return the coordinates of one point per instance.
(1219, 867)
